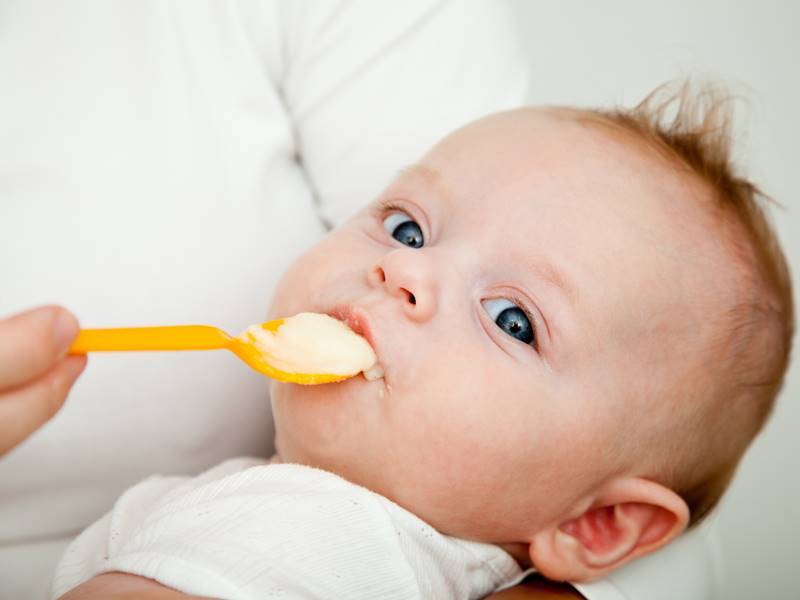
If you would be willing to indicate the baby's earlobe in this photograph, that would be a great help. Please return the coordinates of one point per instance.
(558, 555)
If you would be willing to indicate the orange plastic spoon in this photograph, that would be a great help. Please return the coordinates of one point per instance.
(192, 337)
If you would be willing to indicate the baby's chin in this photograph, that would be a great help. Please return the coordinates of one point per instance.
(315, 423)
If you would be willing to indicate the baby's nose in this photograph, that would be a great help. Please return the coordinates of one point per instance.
(407, 276)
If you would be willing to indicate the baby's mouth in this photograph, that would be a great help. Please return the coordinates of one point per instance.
(358, 321)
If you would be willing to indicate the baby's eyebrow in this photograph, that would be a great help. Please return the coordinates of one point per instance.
(429, 176)
(553, 276)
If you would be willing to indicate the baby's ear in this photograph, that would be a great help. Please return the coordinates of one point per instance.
(627, 518)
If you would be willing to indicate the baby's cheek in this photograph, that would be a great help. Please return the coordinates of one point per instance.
(302, 281)
(339, 256)
(316, 414)
(444, 425)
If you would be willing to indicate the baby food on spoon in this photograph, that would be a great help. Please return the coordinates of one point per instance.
(314, 344)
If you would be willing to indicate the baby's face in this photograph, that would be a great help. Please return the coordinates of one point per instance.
(511, 284)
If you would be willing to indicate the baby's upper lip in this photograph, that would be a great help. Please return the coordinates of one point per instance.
(359, 320)
(355, 318)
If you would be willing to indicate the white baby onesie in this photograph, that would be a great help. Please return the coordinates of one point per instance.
(247, 529)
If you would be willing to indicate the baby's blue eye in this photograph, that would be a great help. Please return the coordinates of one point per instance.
(404, 229)
(510, 318)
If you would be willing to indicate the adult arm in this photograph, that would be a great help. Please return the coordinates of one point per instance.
(123, 586)
(538, 589)
(370, 86)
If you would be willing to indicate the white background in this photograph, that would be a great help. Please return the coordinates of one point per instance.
(615, 52)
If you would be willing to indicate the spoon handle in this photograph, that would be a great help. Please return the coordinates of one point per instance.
(181, 337)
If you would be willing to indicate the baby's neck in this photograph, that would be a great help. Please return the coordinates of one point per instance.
(518, 551)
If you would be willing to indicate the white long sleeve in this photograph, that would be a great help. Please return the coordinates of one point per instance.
(419, 70)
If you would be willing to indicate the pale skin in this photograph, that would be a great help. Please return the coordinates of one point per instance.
(488, 436)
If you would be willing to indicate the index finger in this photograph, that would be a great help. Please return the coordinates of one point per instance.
(31, 342)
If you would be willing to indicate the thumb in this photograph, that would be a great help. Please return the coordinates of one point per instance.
(31, 343)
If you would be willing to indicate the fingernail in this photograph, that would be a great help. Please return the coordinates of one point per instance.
(65, 329)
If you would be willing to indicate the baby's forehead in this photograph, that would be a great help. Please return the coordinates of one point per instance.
(626, 228)
(529, 159)
(560, 146)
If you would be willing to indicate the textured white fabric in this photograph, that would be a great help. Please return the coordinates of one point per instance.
(161, 162)
(248, 530)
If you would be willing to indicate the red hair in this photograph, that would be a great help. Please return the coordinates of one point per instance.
(692, 130)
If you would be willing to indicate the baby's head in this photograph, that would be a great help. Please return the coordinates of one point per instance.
(583, 318)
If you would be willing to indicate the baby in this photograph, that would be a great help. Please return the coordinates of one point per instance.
(583, 318)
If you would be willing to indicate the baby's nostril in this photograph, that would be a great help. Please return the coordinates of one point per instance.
(381, 275)
(411, 298)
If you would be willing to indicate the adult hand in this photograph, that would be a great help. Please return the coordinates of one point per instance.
(35, 372)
